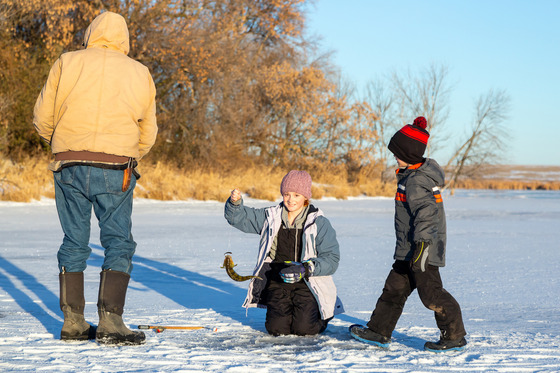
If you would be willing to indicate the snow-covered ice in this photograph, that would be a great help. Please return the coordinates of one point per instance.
(503, 267)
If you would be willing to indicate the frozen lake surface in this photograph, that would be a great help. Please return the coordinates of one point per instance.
(503, 258)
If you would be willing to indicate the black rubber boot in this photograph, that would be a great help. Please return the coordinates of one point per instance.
(112, 293)
(72, 304)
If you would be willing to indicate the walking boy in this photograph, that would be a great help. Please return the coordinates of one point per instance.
(420, 248)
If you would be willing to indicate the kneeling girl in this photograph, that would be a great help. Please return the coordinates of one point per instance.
(297, 257)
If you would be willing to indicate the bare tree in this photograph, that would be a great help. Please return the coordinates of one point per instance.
(425, 94)
(382, 102)
(486, 139)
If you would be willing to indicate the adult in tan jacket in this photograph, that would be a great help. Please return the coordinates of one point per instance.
(97, 111)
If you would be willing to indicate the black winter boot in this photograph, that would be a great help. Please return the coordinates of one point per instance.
(365, 334)
(112, 294)
(72, 304)
(446, 345)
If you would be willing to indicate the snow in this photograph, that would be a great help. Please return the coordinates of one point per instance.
(502, 267)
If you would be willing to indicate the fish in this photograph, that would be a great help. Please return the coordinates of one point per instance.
(228, 265)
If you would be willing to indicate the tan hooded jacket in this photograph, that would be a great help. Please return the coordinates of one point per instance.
(98, 99)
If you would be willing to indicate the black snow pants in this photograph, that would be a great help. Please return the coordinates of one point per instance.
(400, 283)
(292, 309)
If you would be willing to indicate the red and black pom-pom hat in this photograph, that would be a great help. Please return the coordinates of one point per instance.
(409, 143)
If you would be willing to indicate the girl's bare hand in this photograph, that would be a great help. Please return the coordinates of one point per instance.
(235, 195)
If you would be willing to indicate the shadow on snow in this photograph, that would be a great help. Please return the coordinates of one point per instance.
(189, 289)
(47, 297)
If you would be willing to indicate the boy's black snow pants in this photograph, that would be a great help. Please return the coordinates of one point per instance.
(292, 309)
(400, 283)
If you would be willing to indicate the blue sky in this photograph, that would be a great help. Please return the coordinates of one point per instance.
(509, 45)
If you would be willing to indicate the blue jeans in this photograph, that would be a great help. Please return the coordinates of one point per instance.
(77, 190)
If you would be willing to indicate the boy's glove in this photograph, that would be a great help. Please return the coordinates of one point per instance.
(419, 261)
(294, 271)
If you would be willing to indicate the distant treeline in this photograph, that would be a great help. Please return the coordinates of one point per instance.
(237, 82)
(240, 86)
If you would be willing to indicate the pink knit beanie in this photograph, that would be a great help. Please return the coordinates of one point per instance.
(297, 182)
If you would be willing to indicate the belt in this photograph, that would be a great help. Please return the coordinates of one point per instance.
(90, 156)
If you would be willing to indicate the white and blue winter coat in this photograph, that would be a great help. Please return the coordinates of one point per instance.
(319, 245)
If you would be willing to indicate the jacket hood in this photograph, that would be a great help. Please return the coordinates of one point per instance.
(108, 30)
(433, 170)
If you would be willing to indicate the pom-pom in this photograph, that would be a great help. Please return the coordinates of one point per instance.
(420, 122)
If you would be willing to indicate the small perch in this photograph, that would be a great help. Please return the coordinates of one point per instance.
(228, 265)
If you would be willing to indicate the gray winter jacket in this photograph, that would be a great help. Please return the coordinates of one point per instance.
(319, 245)
(419, 212)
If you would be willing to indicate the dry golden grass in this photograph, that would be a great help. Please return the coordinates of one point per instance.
(25, 181)
(514, 177)
(166, 182)
(31, 180)
(508, 184)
